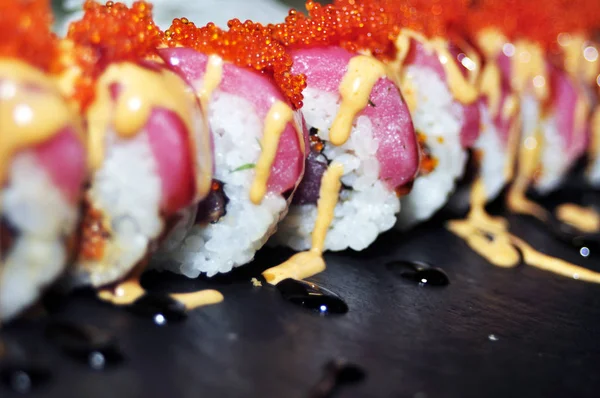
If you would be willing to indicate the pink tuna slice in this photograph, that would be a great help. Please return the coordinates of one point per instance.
(64, 159)
(398, 152)
(418, 55)
(260, 91)
(564, 104)
(169, 141)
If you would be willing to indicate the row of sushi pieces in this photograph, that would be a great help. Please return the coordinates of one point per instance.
(197, 144)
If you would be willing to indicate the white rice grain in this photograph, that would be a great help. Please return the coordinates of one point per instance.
(43, 218)
(235, 238)
(127, 190)
(494, 156)
(364, 211)
(438, 116)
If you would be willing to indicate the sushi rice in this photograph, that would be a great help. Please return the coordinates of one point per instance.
(127, 190)
(367, 206)
(494, 161)
(438, 116)
(554, 163)
(44, 219)
(244, 228)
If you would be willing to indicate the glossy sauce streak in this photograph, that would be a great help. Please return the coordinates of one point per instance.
(490, 238)
(142, 90)
(29, 117)
(130, 291)
(305, 264)
(490, 87)
(463, 89)
(211, 80)
(87, 343)
(419, 272)
(529, 159)
(491, 41)
(312, 297)
(275, 123)
(355, 89)
(527, 64)
(585, 219)
(575, 63)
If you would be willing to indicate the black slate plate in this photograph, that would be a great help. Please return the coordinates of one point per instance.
(492, 332)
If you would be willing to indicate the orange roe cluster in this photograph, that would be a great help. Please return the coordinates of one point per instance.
(518, 19)
(353, 25)
(25, 32)
(432, 18)
(248, 45)
(111, 33)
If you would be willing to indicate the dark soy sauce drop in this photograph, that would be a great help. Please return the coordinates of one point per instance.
(311, 296)
(420, 272)
(161, 308)
(24, 377)
(54, 301)
(336, 375)
(86, 343)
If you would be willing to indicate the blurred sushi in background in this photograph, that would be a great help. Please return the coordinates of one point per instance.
(149, 146)
(250, 96)
(358, 121)
(42, 158)
(437, 72)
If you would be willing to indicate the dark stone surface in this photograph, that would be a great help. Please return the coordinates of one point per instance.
(410, 341)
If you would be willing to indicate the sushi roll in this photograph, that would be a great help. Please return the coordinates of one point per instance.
(149, 146)
(250, 97)
(498, 109)
(575, 67)
(555, 105)
(42, 158)
(360, 129)
(437, 73)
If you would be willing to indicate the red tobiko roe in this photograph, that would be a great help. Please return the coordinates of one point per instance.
(110, 33)
(248, 45)
(25, 32)
(353, 25)
(518, 19)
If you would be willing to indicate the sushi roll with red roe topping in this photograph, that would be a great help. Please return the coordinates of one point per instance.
(499, 103)
(42, 158)
(250, 96)
(564, 111)
(359, 123)
(437, 73)
(149, 146)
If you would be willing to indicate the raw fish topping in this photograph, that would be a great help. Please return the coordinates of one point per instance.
(246, 44)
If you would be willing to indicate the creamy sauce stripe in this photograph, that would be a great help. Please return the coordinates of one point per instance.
(355, 89)
(142, 90)
(463, 89)
(29, 117)
(529, 70)
(308, 263)
(278, 117)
